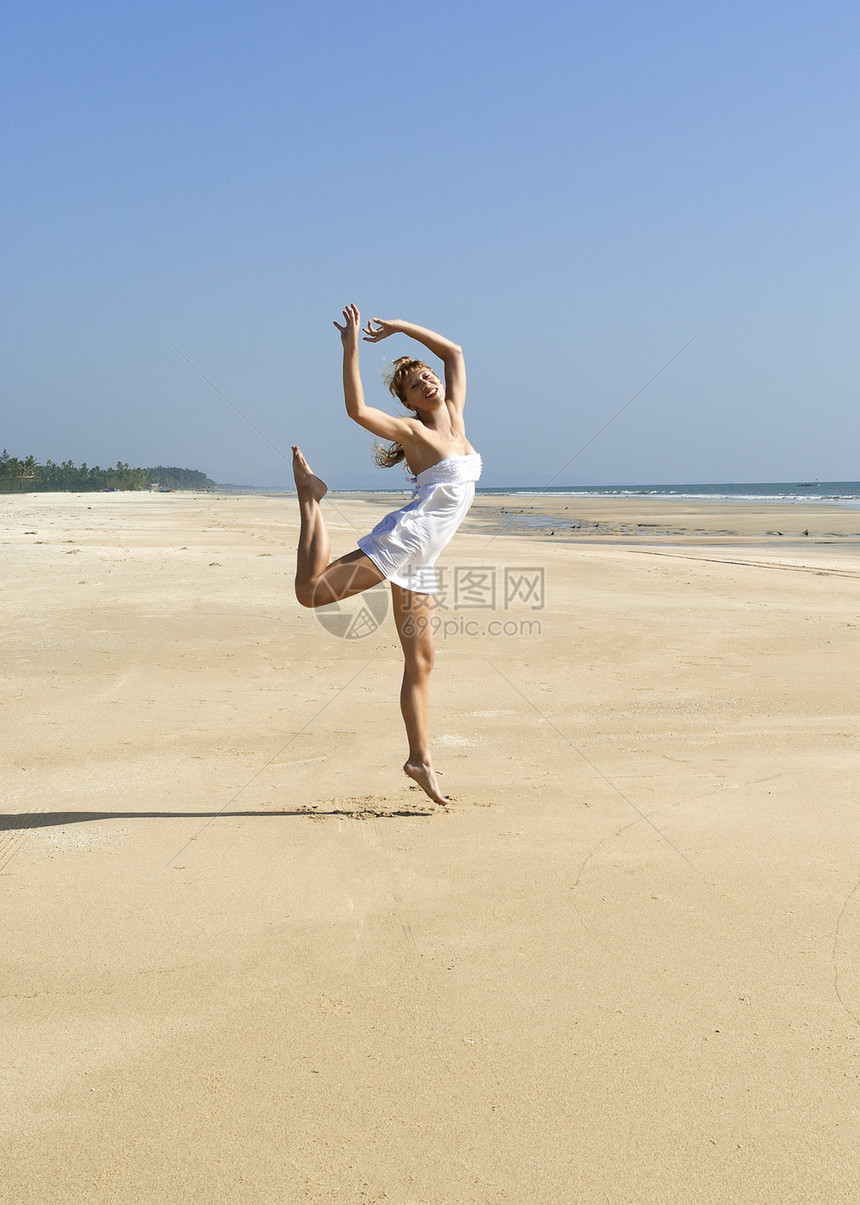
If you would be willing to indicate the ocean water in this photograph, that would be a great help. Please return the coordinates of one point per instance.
(834, 493)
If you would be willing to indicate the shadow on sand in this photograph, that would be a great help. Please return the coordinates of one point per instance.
(359, 811)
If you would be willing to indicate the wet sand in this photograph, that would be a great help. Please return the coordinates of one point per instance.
(246, 959)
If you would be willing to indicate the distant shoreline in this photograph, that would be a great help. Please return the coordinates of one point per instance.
(560, 518)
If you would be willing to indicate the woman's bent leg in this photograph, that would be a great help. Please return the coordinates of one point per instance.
(314, 547)
(414, 615)
(317, 582)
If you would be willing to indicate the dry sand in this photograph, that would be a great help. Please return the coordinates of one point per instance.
(245, 962)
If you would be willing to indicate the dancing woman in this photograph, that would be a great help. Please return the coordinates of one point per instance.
(402, 548)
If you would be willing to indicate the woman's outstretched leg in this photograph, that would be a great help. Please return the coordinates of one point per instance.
(414, 614)
(317, 582)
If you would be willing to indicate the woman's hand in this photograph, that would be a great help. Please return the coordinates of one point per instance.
(351, 326)
(381, 331)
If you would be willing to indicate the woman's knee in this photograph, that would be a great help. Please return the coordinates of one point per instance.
(305, 593)
(420, 662)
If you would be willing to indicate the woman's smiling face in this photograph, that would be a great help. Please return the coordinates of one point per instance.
(423, 388)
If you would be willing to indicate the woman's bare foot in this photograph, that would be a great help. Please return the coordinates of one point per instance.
(305, 479)
(426, 780)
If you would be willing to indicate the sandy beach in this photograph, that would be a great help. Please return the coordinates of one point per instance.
(246, 960)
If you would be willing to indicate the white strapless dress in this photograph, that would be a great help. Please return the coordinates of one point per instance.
(406, 543)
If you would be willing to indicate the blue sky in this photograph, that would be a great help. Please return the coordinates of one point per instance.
(572, 191)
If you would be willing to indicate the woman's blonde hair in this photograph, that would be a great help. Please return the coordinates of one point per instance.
(388, 455)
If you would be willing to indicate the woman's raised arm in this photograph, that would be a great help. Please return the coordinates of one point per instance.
(386, 426)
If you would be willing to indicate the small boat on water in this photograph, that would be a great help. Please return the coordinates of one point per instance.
(807, 485)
